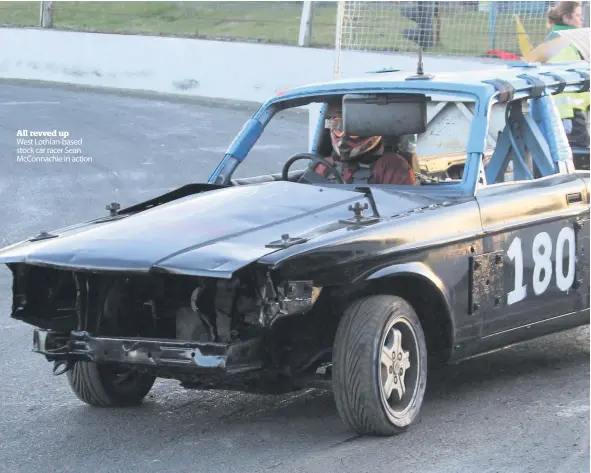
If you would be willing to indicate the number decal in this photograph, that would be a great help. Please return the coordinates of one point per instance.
(515, 253)
(542, 252)
(542, 257)
(566, 235)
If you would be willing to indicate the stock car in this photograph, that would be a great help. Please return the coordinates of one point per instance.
(288, 280)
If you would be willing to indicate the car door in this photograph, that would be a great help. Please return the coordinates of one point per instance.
(536, 232)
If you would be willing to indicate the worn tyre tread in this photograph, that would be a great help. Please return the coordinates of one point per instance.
(86, 381)
(355, 387)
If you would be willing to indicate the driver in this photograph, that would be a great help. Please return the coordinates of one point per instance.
(363, 159)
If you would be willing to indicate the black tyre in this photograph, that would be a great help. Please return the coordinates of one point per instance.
(379, 365)
(108, 386)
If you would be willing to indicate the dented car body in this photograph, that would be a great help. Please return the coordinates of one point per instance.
(265, 282)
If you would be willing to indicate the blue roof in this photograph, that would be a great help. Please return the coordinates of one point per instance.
(460, 82)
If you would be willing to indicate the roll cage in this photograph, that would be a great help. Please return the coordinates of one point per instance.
(532, 139)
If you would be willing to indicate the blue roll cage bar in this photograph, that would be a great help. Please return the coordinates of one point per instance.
(540, 131)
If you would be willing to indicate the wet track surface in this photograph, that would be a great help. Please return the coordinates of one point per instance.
(524, 409)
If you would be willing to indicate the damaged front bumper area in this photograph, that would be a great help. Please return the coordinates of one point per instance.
(181, 356)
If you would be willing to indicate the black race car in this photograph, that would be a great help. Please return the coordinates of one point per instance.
(301, 278)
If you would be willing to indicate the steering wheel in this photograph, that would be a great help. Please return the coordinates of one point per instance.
(312, 157)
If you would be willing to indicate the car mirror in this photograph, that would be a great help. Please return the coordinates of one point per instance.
(384, 115)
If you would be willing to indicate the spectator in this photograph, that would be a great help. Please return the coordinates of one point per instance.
(422, 13)
(573, 107)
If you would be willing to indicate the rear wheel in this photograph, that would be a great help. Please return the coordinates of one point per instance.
(108, 386)
(379, 365)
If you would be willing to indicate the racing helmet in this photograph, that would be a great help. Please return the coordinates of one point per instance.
(348, 147)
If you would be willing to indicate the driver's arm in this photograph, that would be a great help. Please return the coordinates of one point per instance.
(392, 168)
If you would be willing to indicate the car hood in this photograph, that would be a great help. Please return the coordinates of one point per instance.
(210, 234)
(216, 232)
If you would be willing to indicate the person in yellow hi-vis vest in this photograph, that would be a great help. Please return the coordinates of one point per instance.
(573, 107)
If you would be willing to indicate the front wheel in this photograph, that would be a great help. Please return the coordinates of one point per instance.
(108, 386)
(379, 365)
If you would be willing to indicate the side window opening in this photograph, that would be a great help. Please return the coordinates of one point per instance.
(522, 152)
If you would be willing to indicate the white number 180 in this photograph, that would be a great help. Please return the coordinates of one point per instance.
(541, 253)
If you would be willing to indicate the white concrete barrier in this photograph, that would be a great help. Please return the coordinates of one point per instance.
(212, 69)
